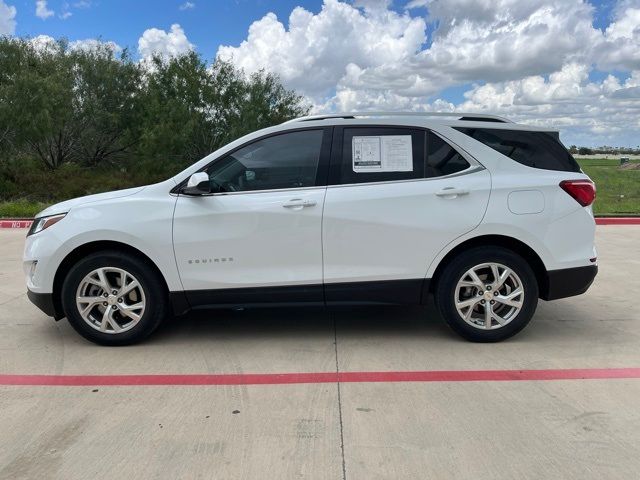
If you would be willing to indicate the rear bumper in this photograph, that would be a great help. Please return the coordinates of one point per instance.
(44, 301)
(568, 282)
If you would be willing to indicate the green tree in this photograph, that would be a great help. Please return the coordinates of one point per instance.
(584, 151)
(106, 104)
(191, 109)
(174, 108)
(77, 121)
(249, 104)
(36, 91)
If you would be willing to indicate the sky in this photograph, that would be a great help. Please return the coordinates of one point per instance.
(573, 65)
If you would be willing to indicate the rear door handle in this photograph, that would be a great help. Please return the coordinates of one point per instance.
(452, 192)
(298, 203)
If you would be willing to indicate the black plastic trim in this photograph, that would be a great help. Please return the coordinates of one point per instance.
(388, 292)
(44, 301)
(255, 296)
(482, 119)
(179, 303)
(568, 282)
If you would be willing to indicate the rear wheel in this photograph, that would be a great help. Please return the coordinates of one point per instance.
(112, 298)
(487, 294)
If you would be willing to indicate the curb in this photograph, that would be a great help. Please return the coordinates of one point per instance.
(618, 221)
(16, 223)
(26, 223)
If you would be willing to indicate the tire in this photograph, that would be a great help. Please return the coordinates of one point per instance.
(457, 287)
(123, 318)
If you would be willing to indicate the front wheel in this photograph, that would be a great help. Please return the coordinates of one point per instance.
(113, 298)
(487, 294)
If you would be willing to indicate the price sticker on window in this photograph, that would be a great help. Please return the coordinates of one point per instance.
(387, 153)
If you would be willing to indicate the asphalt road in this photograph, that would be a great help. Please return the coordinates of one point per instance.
(444, 429)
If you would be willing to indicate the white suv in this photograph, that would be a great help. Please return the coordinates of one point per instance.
(368, 208)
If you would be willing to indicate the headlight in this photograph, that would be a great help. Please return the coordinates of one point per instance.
(42, 223)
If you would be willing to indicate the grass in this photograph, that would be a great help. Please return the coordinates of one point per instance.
(21, 209)
(618, 191)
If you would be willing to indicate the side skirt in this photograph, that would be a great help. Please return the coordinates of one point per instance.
(386, 292)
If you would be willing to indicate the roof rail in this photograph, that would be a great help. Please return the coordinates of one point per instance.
(473, 117)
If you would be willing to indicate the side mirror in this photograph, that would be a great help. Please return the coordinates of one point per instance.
(198, 184)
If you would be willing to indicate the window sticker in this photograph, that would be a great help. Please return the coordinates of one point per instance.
(388, 153)
(366, 154)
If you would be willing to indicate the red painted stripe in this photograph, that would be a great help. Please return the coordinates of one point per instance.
(618, 221)
(15, 223)
(322, 377)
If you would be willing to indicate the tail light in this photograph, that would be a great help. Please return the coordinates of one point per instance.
(582, 191)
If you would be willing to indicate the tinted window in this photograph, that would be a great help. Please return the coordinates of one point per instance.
(442, 158)
(534, 149)
(381, 154)
(289, 160)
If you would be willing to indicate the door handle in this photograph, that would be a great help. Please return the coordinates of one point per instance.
(298, 203)
(452, 192)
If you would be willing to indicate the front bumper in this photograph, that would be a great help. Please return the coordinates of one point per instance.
(568, 282)
(44, 301)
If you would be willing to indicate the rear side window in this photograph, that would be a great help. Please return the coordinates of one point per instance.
(381, 154)
(442, 158)
(533, 149)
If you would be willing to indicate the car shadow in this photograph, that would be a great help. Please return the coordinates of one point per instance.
(302, 322)
(549, 325)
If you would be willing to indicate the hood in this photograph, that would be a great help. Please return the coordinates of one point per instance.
(67, 205)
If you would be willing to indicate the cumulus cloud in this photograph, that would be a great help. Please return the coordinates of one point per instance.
(44, 42)
(530, 59)
(620, 48)
(166, 44)
(313, 53)
(377, 48)
(42, 11)
(605, 110)
(7, 18)
(92, 44)
(187, 6)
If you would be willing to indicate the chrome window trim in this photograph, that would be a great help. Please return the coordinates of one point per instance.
(468, 171)
(249, 192)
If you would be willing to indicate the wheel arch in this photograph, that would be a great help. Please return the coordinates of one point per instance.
(510, 243)
(87, 249)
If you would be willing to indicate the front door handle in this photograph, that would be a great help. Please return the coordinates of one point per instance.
(298, 203)
(452, 192)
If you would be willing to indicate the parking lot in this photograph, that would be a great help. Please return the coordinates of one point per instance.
(447, 427)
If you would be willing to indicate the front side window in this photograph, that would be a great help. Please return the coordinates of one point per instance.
(381, 154)
(289, 160)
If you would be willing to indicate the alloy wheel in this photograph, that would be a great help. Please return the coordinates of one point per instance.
(489, 296)
(110, 300)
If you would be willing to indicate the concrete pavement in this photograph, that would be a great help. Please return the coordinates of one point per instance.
(527, 429)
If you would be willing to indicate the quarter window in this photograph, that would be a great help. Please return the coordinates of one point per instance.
(289, 160)
(442, 158)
